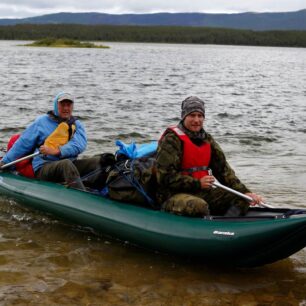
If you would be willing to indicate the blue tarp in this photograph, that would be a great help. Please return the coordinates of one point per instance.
(134, 150)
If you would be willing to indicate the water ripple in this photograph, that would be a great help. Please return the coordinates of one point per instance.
(255, 109)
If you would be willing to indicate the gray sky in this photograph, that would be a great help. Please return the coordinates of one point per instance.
(29, 8)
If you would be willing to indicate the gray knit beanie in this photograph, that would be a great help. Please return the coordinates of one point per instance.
(192, 104)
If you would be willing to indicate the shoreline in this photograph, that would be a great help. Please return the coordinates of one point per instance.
(158, 34)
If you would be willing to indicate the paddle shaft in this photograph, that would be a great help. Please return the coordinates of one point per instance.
(244, 196)
(19, 160)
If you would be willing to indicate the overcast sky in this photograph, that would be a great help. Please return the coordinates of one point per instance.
(29, 8)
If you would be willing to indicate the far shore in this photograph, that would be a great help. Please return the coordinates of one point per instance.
(150, 34)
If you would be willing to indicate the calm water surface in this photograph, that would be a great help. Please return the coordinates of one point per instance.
(256, 109)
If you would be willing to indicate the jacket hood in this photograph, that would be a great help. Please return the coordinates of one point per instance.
(60, 97)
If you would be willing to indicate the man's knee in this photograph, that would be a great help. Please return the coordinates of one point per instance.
(65, 164)
(186, 204)
(220, 201)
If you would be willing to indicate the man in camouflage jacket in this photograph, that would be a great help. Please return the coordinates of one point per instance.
(185, 195)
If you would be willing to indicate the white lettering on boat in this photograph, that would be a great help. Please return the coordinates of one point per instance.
(224, 233)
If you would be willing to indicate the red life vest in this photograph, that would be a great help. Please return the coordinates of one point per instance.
(196, 159)
(24, 167)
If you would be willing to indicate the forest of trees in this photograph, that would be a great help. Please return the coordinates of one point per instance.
(156, 34)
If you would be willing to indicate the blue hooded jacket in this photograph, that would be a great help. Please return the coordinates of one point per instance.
(35, 135)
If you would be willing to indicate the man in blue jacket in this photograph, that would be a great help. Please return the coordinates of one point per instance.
(60, 138)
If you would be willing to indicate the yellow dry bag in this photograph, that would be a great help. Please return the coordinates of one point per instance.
(60, 136)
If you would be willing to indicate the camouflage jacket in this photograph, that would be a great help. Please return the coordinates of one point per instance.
(168, 168)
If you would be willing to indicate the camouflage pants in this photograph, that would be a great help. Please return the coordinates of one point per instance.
(213, 201)
(69, 172)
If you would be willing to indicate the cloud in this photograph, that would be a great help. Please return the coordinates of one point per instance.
(28, 8)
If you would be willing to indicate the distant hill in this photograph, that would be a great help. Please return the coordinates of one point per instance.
(252, 21)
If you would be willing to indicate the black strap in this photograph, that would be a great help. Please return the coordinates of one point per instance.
(69, 131)
(196, 169)
(85, 177)
(292, 212)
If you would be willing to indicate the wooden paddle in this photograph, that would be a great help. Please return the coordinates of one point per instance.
(244, 196)
(19, 160)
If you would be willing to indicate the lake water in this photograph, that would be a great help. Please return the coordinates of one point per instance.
(255, 108)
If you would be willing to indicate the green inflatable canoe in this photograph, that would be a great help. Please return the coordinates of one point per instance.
(263, 236)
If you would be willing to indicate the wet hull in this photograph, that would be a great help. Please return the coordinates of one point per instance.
(263, 236)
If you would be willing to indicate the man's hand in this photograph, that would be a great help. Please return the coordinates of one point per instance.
(49, 151)
(207, 181)
(257, 199)
(1, 164)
